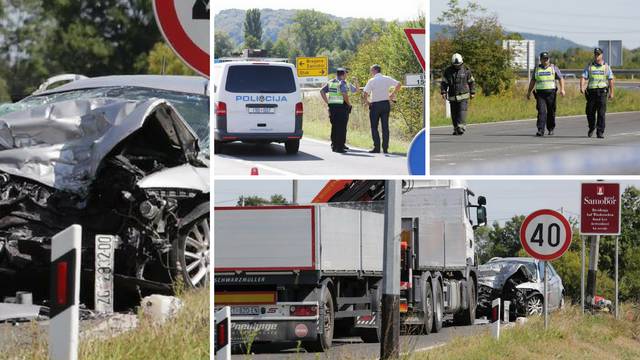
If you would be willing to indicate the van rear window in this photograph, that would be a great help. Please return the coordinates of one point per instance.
(260, 79)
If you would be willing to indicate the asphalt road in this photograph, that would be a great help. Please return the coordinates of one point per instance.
(353, 348)
(314, 158)
(511, 148)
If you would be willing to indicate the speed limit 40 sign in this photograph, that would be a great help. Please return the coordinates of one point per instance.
(185, 26)
(545, 234)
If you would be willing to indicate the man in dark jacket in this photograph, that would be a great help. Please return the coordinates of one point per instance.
(457, 87)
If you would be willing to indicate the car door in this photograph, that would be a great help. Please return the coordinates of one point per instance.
(556, 286)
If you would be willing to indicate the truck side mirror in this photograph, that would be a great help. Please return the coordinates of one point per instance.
(482, 200)
(481, 215)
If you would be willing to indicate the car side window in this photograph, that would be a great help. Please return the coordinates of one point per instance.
(541, 270)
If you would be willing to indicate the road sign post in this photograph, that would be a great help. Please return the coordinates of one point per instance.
(185, 26)
(582, 258)
(545, 235)
(600, 214)
(64, 294)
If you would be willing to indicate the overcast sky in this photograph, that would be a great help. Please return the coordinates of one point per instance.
(397, 10)
(584, 22)
(505, 198)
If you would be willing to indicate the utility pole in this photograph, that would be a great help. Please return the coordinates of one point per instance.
(593, 268)
(390, 341)
(295, 192)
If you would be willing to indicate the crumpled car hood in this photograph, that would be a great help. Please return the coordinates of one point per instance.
(495, 276)
(62, 144)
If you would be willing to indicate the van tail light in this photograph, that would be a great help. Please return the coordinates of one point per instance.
(221, 108)
(299, 109)
(303, 310)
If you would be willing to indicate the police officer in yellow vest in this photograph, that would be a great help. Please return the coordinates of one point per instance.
(544, 82)
(336, 94)
(598, 78)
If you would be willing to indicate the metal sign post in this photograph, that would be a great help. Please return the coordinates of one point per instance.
(390, 339)
(582, 258)
(616, 265)
(546, 296)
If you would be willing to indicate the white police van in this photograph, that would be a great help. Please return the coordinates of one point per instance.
(257, 102)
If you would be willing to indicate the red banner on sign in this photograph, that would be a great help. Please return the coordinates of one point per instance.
(600, 209)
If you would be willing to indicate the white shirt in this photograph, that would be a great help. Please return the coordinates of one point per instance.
(378, 86)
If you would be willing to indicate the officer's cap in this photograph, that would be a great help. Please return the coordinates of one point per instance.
(544, 55)
(597, 51)
(341, 71)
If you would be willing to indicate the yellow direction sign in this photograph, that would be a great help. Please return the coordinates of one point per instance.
(312, 66)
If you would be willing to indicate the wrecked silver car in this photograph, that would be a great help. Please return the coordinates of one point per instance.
(519, 280)
(119, 155)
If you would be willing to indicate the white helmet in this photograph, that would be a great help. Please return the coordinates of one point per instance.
(456, 59)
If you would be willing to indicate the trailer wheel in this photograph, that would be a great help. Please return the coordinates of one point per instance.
(468, 316)
(324, 340)
(438, 306)
(427, 306)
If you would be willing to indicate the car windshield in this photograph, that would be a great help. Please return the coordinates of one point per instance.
(496, 267)
(193, 108)
(260, 79)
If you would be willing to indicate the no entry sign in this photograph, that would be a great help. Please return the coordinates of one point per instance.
(185, 26)
(600, 209)
(545, 234)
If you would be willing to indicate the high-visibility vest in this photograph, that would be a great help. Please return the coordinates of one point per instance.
(597, 76)
(335, 96)
(545, 78)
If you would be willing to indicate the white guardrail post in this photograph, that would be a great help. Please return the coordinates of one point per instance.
(65, 293)
(495, 318)
(222, 334)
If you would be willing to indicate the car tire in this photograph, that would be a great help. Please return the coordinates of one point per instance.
(217, 147)
(468, 316)
(292, 146)
(324, 340)
(438, 307)
(534, 305)
(189, 254)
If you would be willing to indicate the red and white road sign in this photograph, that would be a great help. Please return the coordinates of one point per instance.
(185, 26)
(545, 234)
(600, 209)
(417, 39)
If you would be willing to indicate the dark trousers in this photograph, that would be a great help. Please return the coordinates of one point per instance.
(546, 105)
(338, 115)
(596, 109)
(379, 112)
(459, 113)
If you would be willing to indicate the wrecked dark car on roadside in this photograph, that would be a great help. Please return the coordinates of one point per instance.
(119, 155)
(520, 281)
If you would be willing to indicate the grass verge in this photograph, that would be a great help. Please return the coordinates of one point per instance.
(184, 337)
(570, 336)
(316, 125)
(513, 105)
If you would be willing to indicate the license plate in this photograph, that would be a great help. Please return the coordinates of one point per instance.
(261, 110)
(104, 251)
(245, 310)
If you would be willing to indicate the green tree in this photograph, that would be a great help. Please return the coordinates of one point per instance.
(503, 241)
(280, 49)
(162, 60)
(252, 29)
(254, 200)
(478, 38)
(361, 30)
(315, 31)
(223, 45)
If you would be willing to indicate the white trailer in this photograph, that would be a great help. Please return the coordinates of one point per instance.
(298, 273)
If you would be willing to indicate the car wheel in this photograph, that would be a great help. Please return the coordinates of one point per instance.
(535, 306)
(292, 146)
(324, 340)
(190, 253)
